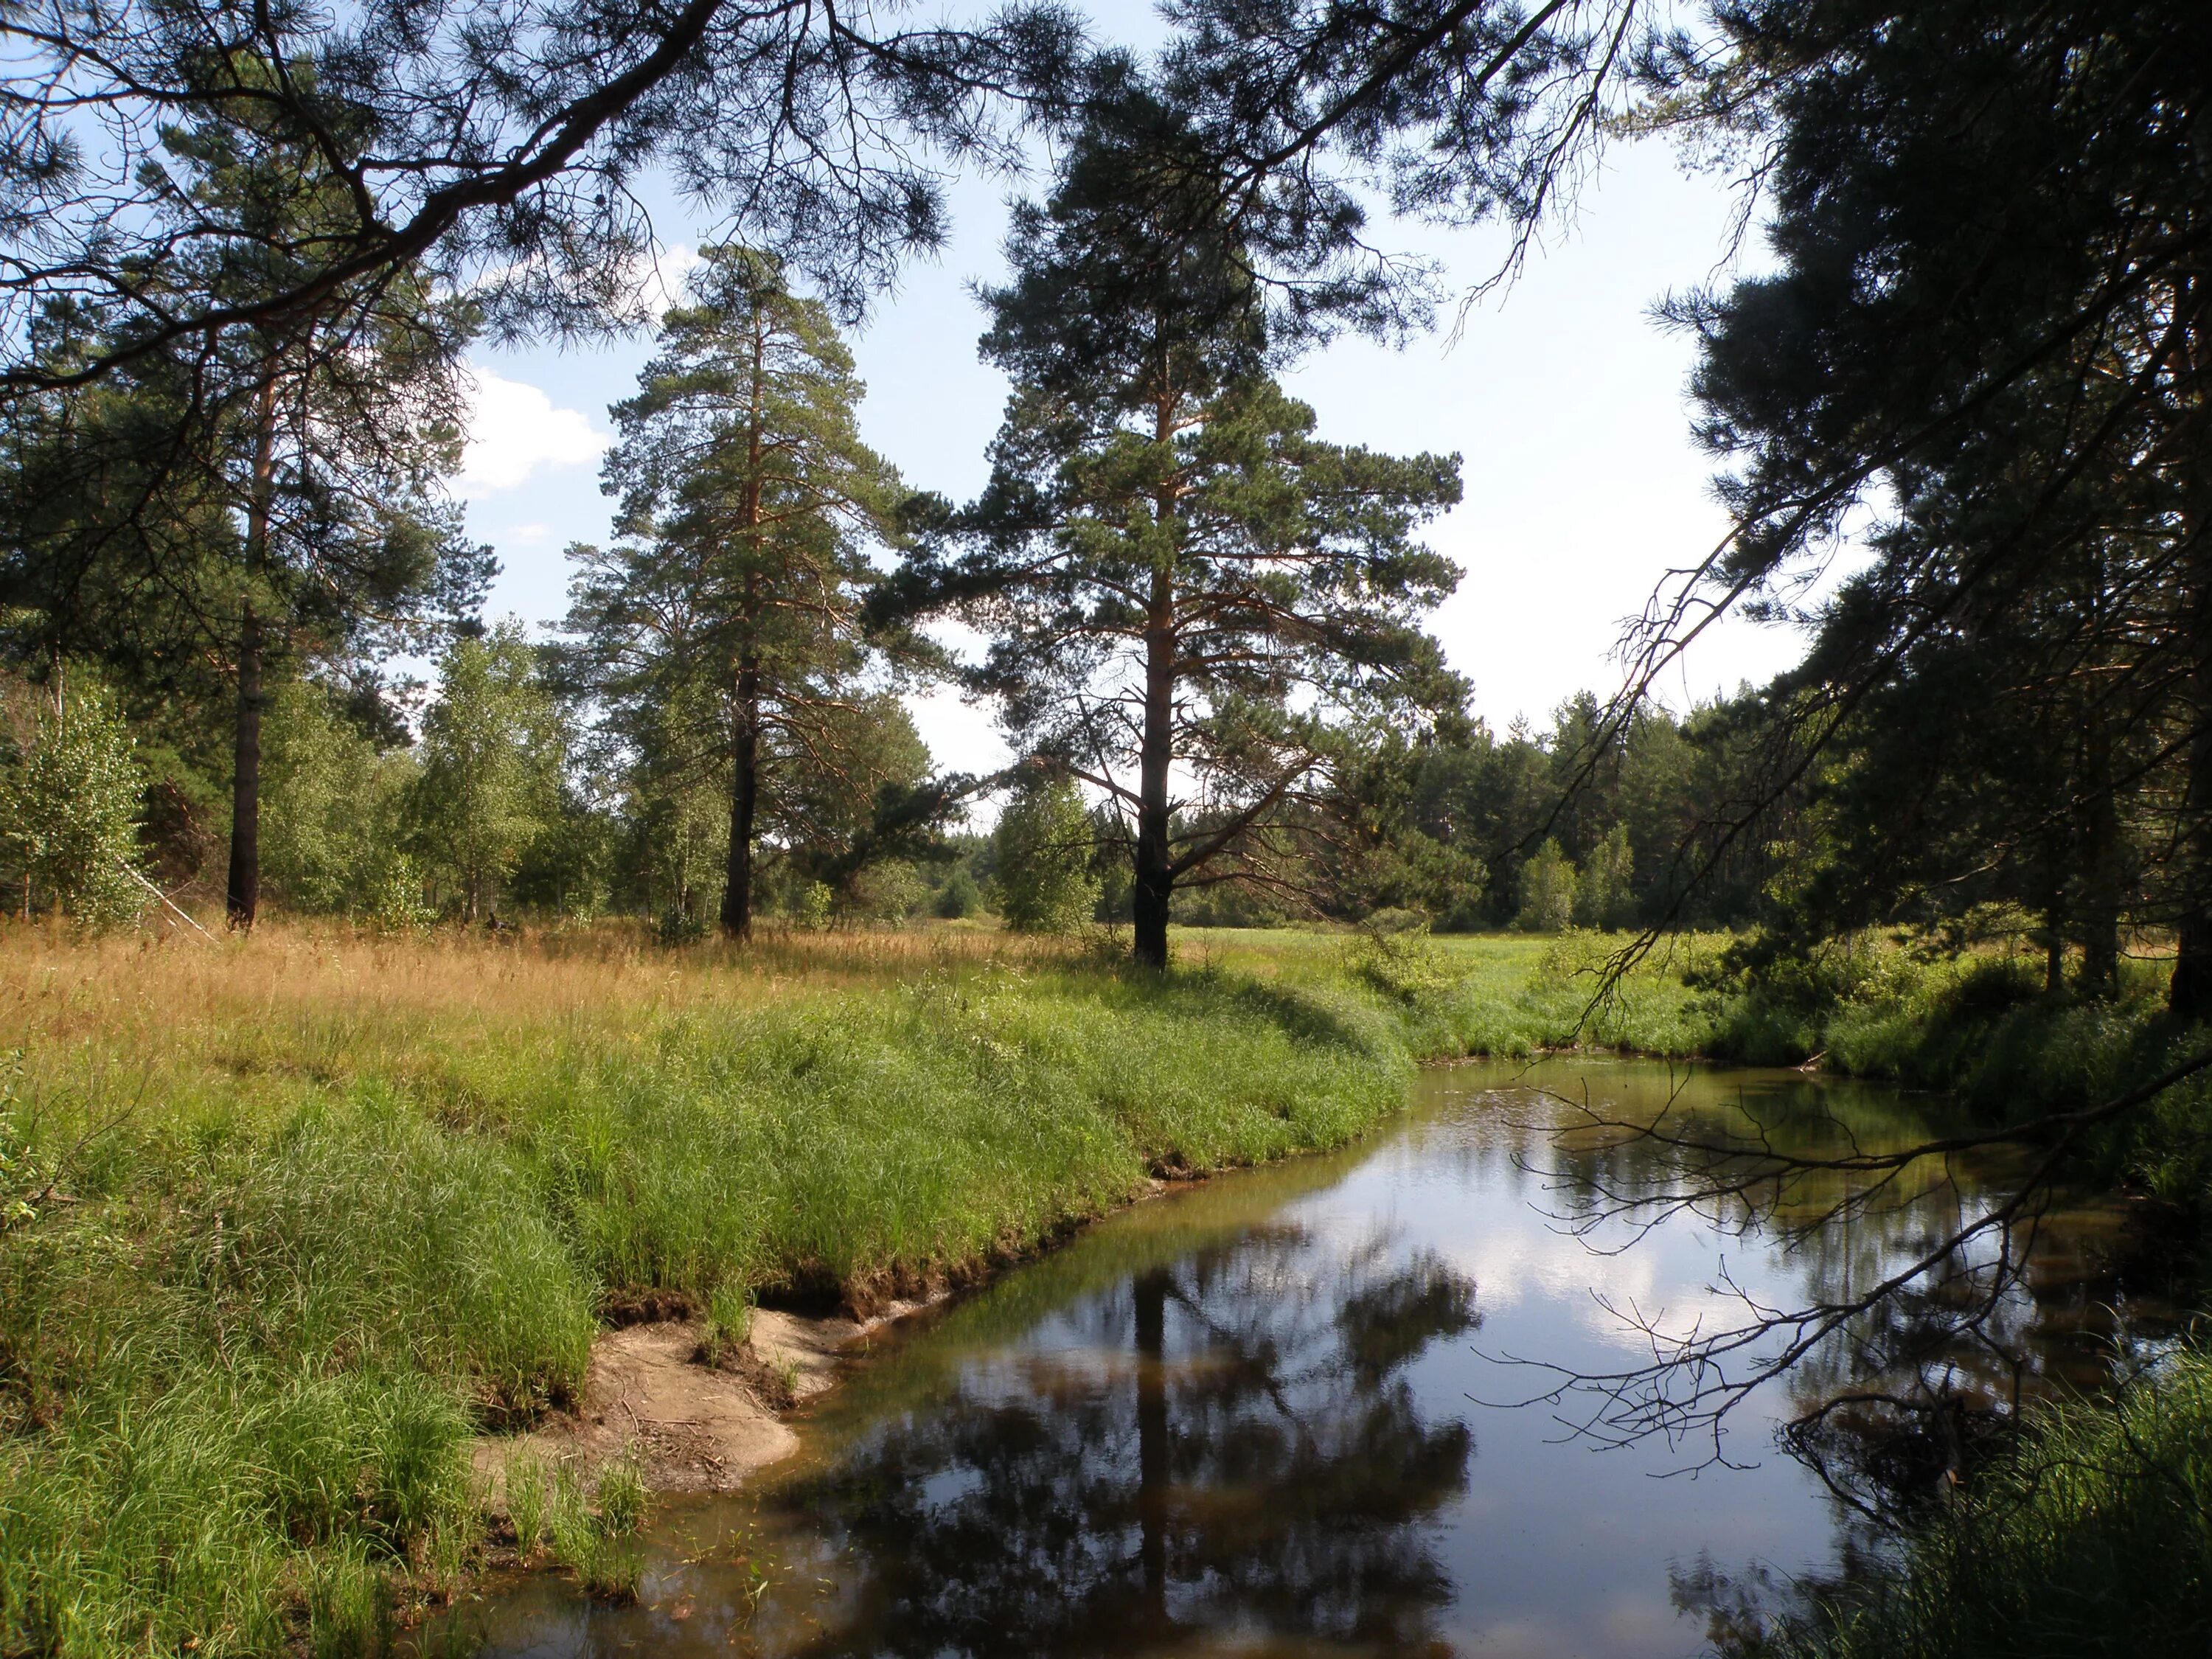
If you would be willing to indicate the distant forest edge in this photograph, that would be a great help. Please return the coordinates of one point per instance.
(495, 810)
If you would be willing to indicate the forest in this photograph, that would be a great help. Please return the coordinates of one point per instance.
(644, 956)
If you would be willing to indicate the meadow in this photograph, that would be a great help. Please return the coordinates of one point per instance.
(290, 1219)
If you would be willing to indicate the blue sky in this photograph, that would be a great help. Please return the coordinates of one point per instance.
(1566, 400)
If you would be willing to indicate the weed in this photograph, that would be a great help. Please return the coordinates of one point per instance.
(622, 1497)
(525, 1501)
(729, 1322)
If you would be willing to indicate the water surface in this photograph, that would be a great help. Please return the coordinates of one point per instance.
(1263, 1417)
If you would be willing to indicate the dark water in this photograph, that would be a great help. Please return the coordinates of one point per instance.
(1244, 1419)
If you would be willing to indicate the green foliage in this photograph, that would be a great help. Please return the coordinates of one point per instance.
(622, 1497)
(69, 803)
(729, 1322)
(2094, 1537)
(1043, 848)
(395, 900)
(723, 633)
(492, 754)
(1549, 887)
(332, 806)
(523, 1481)
(887, 890)
(1605, 896)
(22, 1183)
(818, 903)
(959, 898)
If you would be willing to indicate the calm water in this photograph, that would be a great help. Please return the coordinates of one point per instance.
(1244, 1419)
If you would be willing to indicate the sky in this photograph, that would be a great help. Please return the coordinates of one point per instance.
(1566, 399)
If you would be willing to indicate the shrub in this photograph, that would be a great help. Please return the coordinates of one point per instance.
(2094, 1538)
(69, 807)
(1044, 844)
(1548, 885)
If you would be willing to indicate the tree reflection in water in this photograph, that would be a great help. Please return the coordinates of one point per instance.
(1236, 1421)
(1229, 1448)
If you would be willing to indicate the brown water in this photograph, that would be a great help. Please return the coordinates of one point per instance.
(1244, 1419)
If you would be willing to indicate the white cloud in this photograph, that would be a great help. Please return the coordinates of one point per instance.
(514, 429)
(526, 535)
(661, 281)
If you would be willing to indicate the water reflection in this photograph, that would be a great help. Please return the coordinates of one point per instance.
(1243, 1419)
(1226, 1443)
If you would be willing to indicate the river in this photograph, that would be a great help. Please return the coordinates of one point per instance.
(1277, 1414)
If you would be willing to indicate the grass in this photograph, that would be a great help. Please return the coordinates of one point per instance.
(284, 1221)
(2093, 1537)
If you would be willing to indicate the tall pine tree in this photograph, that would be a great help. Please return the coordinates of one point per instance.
(725, 627)
(1184, 585)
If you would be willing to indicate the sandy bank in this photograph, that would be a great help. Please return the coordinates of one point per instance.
(692, 1426)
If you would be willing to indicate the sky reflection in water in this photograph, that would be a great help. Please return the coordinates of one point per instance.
(1244, 1420)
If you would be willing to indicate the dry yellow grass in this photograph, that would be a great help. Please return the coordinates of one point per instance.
(317, 989)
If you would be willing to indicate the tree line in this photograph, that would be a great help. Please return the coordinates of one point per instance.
(235, 332)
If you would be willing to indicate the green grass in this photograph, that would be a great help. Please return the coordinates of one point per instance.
(2094, 1537)
(284, 1222)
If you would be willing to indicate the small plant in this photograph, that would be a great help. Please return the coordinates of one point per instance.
(817, 905)
(1405, 966)
(348, 1606)
(614, 1572)
(69, 807)
(441, 1554)
(622, 1499)
(570, 1532)
(20, 1184)
(729, 1323)
(525, 1502)
(787, 1372)
(395, 903)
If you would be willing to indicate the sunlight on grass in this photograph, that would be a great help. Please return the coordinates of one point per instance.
(322, 1202)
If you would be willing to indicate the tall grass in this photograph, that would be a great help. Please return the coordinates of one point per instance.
(2094, 1537)
(313, 1206)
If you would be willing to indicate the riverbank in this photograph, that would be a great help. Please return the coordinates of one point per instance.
(294, 1219)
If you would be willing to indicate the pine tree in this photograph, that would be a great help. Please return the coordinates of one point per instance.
(724, 628)
(1179, 577)
(207, 521)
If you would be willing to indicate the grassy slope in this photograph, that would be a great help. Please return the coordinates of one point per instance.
(322, 1204)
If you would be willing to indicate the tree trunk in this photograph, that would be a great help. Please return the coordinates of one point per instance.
(744, 761)
(2102, 875)
(2189, 996)
(744, 797)
(1155, 873)
(1155, 877)
(1154, 1471)
(242, 889)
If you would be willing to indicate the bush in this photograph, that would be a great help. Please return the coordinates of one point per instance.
(70, 806)
(960, 897)
(1548, 887)
(1043, 845)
